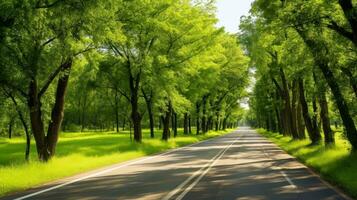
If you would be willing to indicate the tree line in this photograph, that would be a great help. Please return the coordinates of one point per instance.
(112, 64)
(304, 58)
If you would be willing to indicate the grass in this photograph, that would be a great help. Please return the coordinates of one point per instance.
(335, 164)
(76, 153)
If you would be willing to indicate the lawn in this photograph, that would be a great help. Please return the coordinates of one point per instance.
(79, 152)
(335, 164)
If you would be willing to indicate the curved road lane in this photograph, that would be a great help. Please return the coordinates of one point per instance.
(241, 165)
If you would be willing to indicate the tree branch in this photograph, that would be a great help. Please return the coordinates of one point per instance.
(47, 5)
(340, 30)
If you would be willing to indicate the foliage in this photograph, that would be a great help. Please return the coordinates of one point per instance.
(79, 152)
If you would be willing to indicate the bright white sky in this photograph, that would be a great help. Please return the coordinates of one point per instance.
(230, 11)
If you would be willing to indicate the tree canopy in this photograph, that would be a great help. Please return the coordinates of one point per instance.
(74, 65)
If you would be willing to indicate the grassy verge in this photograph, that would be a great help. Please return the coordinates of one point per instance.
(335, 164)
(78, 152)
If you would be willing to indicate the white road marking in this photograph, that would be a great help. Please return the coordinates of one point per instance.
(292, 184)
(182, 195)
(209, 165)
(287, 178)
(108, 170)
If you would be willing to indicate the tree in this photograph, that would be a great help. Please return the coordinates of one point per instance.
(38, 49)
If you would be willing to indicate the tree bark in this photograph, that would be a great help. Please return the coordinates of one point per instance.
(123, 127)
(189, 125)
(24, 124)
(313, 133)
(174, 122)
(209, 123)
(198, 106)
(10, 127)
(116, 107)
(321, 61)
(185, 124)
(353, 80)
(351, 16)
(324, 114)
(134, 101)
(58, 109)
(290, 129)
(280, 128)
(217, 121)
(166, 123)
(148, 100)
(160, 122)
(204, 109)
(342, 105)
(225, 122)
(300, 122)
(37, 127)
(294, 117)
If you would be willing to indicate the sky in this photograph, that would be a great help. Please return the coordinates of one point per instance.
(230, 11)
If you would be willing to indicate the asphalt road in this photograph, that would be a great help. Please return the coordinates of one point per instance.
(241, 165)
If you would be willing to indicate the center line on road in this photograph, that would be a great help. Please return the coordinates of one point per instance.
(182, 195)
(209, 165)
(113, 169)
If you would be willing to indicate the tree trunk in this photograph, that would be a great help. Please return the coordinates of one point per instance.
(10, 127)
(166, 123)
(300, 123)
(204, 109)
(24, 124)
(324, 114)
(84, 109)
(342, 106)
(351, 16)
(294, 111)
(152, 124)
(174, 122)
(116, 107)
(134, 101)
(322, 62)
(123, 128)
(225, 123)
(325, 118)
(217, 121)
(290, 129)
(353, 80)
(189, 125)
(148, 100)
(160, 122)
(185, 124)
(313, 133)
(198, 118)
(278, 119)
(314, 118)
(37, 127)
(58, 109)
(209, 123)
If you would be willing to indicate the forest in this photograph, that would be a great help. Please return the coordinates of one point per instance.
(85, 84)
(104, 65)
(304, 58)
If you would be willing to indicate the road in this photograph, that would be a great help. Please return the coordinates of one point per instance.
(241, 165)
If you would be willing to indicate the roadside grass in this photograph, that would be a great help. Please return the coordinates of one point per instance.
(79, 152)
(335, 164)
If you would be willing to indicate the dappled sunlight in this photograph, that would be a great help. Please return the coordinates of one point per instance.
(334, 163)
(78, 153)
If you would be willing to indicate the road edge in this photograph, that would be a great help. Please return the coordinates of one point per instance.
(314, 172)
(24, 194)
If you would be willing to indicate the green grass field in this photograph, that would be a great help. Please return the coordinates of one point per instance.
(79, 152)
(335, 164)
